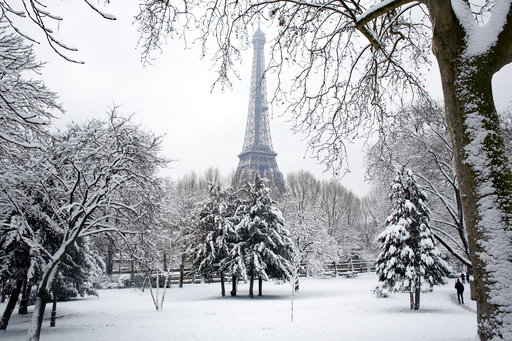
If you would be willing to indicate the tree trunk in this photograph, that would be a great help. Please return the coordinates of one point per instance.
(233, 285)
(411, 299)
(54, 310)
(482, 167)
(222, 284)
(34, 332)
(25, 296)
(109, 263)
(182, 270)
(251, 287)
(11, 305)
(296, 285)
(4, 296)
(260, 286)
(417, 298)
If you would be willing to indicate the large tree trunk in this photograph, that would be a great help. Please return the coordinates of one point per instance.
(11, 305)
(482, 167)
(34, 332)
(45, 283)
(260, 286)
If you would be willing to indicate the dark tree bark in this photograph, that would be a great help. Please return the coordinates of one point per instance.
(417, 298)
(3, 293)
(233, 285)
(54, 310)
(25, 296)
(182, 270)
(251, 287)
(109, 263)
(411, 299)
(11, 305)
(222, 284)
(260, 286)
(132, 273)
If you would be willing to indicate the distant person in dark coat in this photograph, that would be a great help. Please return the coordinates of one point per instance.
(460, 291)
(462, 277)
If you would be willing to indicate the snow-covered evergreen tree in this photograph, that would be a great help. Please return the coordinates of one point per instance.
(409, 256)
(217, 229)
(264, 248)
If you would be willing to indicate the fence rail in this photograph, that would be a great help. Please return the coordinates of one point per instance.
(347, 269)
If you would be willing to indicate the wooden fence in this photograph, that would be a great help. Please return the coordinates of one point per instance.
(348, 268)
(334, 269)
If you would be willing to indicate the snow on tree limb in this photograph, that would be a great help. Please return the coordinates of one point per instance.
(379, 9)
(373, 13)
(103, 14)
(480, 39)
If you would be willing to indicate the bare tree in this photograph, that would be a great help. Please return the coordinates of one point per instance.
(373, 211)
(40, 13)
(307, 223)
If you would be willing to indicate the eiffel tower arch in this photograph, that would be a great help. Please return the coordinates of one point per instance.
(258, 155)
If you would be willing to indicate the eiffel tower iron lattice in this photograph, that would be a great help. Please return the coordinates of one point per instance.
(258, 156)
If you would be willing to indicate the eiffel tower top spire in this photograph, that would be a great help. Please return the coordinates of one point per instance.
(257, 132)
(257, 153)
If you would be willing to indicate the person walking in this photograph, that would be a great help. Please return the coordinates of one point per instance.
(460, 291)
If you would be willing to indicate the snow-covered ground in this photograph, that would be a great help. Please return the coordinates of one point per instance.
(324, 309)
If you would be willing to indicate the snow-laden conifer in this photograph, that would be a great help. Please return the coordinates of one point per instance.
(409, 256)
(264, 248)
(216, 224)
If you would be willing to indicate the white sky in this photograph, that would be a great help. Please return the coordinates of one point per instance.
(173, 97)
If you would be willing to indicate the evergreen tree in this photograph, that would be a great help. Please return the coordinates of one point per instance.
(216, 224)
(409, 256)
(264, 249)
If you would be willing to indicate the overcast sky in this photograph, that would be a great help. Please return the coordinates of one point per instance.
(173, 97)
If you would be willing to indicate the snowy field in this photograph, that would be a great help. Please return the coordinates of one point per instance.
(328, 309)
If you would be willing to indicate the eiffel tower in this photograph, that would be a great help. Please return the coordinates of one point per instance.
(257, 154)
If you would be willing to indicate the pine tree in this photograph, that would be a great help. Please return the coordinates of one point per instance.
(409, 256)
(265, 249)
(216, 224)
